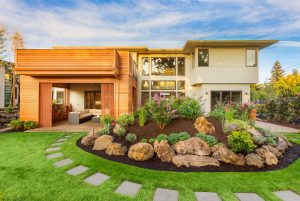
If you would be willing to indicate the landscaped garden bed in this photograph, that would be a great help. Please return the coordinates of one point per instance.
(172, 134)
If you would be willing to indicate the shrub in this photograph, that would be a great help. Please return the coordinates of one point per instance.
(152, 140)
(131, 137)
(218, 112)
(211, 140)
(235, 125)
(143, 116)
(126, 119)
(106, 119)
(189, 109)
(161, 137)
(29, 125)
(105, 130)
(119, 130)
(266, 138)
(241, 142)
(16, 125)
(9, 109)
(144, 140)
(176, 137)
(229, 114)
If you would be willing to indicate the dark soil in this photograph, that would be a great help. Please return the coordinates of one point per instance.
(151, 130)
(297, 126)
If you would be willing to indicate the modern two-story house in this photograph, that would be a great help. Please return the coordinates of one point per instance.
(117, 80)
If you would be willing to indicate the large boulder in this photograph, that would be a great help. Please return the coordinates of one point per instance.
(89, 139)
(141, 151)
(103, 142)
(116, 149)
(283, 144)
(194, 146)
(255, 160)
(164, 151)
(194, 160)
(204, 126)
(268, 156)
(222, 153)
(273, 150)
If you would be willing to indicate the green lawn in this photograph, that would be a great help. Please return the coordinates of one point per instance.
(26, 174)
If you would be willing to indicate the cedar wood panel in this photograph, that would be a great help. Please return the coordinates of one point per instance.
(45, 101)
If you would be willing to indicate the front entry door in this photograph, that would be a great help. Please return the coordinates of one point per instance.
(45, 105)
(108, 99)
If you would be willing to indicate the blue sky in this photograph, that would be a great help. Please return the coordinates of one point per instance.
(159, 24)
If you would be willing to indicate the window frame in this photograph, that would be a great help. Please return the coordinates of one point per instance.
(175, 89)
(198, 57)
(246, 58)
(177, 66)
(151, 65)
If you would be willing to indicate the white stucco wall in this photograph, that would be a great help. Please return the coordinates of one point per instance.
(77, 94)
(2, 86)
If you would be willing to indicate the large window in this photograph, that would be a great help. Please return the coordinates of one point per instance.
(145, 63)
(225, 96)
(251, 57)
(163, 85)
(181, 66)
(145, 85)
(203, 57)
(181, 85)
(163, 66)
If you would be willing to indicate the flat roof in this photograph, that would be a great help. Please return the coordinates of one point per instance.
(189, 46)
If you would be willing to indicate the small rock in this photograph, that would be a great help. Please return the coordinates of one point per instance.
(254, 132)
(89, 139)
(268, 156)
(255, 160)
(222, 153)
(116, 149)
(141, 151)
(164, 151)
(273, 150)
(194, 145)
(204, 126)
(103, 142)
(194, 160)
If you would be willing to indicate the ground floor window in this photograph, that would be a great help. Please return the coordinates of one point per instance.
(225, 96)
(92, 100)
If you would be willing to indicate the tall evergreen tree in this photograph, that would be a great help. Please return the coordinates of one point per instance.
(3, 40)
(277, 72)
(295, 72)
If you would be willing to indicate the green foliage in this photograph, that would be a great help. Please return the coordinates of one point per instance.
(211, 140)
(119, 130)
(16, 125)
(189, 109)
(288, 86)
(235, 125)
(144, 140)
(161, 137)
(218, 112)
(277, 72)
(105, 130)
(9, 109)
(143, 115)
(241, 142)
(176, 137)
(229, 115)
(29, 125)
(106, 119)
(126, 119)
(131, 137)
(266, 138)
(152, 140)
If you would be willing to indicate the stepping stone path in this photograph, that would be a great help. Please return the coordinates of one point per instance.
(248, 197)
(53, 149)
(77, 170)
(96, 179)
(287, 195)
(56, 155)
(207, 196)
(128, 188)
(56, 144)
(63, 163)
(162, 194)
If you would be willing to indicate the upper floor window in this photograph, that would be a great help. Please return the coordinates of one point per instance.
(203, 57)
(163, 66)
(251, 57)
(145, 62)
(181, 66)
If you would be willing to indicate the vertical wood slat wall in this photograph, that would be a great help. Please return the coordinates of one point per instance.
(45, 102)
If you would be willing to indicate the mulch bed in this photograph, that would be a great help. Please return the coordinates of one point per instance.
(151, 130)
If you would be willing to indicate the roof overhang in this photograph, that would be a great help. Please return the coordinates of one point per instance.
(190, 45)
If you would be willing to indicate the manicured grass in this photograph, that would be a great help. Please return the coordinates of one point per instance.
(26, 174)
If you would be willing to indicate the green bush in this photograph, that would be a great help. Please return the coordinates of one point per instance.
(266, 138)
(176, 137)
(152, 140)
(229, 114)
(126, 119)
(211, 140)
(131, 137)
(119, 130)
(106, 119)
(16, 125)
(143, 115)
(189, 109)
(29, 125)
(105, 130)
(161, 137)
(144, 140)
(241, 142)
(235, 125)
(9, 109)
(218, 112)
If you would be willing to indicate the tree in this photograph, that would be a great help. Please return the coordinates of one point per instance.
(3, 40)
(277, 72)
(288, 85)
(295, 72)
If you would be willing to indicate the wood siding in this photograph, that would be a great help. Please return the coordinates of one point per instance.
(107, 99)
(45, 102)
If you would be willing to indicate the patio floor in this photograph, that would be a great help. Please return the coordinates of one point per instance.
(64, 126)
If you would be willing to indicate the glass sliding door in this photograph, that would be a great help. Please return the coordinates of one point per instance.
(225, 96)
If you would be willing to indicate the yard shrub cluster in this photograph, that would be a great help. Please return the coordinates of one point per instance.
(189, 109)
(176, 137)
(209, 139)
(241, 142)
(143, 115)
(235, 125)
(105, 130)
(161, 137)
(119, 130)
(19, 125)
(131, 137)
(106, 119)
(126, 119)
